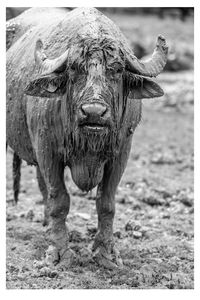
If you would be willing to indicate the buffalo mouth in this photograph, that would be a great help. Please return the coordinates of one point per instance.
(93, 127)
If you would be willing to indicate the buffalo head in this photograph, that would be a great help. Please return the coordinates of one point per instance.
(93, 78)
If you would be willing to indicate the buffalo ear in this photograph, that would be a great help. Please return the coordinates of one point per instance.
(46, 86)
(145, 88)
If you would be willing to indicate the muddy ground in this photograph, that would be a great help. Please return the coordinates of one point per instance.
(154, 202)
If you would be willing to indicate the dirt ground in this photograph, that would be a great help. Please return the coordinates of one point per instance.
(154, 206)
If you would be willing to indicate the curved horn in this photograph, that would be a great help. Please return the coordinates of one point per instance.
(154, 65)
(47, 66)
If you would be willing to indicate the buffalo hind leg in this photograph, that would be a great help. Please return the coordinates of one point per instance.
(58, 203)
(104, 248)
(16, 176)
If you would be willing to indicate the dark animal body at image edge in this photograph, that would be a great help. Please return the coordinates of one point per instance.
(74, 90)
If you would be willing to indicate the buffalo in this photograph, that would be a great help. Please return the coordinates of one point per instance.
(74, 90)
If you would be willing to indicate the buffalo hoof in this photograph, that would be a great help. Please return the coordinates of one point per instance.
(66, 259)
(61, 259)
(52, 256)
(110, 260)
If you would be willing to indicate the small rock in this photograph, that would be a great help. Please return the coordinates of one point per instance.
(120, 199)
(152, 199)
(128, 211)
(124, 199)
(30, 215)
(161, 190)
(128, 226)
(130, 184)
(38, 264)
(84, 216)
(51, 255)
(137, 234)
(162, 158)
(12, 268)
(92, 230)
(21, 276)
(45, 271)
(75, 236)
(118, 234)
(139, 189)
(186, 198)
(53, 274)
(84, 252)
(10, 217)
(22, 215)
(13, 248)
(191, 210)
(25, 269)
(132, 225)
(137, 227)
(146, 269)
(39, 218)
(166, 216)
(136, 207)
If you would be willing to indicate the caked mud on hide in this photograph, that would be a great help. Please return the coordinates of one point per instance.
(74, 90)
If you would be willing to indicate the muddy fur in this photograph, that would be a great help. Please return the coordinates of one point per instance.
(92, 33)
(80, 142)
(46, 122)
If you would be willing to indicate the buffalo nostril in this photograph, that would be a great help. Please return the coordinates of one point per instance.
(83, 111)
(93, 109)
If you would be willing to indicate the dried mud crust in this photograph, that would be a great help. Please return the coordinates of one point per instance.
(153, 227)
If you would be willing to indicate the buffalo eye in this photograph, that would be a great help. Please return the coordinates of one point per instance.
(76, 69)
(51, 88)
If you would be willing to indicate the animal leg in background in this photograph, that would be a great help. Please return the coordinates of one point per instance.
(105, 251)
(16, 176)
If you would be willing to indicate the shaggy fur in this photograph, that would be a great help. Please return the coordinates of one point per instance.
(46, 126)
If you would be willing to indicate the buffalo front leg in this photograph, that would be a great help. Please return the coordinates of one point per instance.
(44, 192)
(105, 250)
(58, 203)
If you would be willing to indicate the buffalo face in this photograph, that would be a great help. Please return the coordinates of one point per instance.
(96, 96)
(94, 78)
